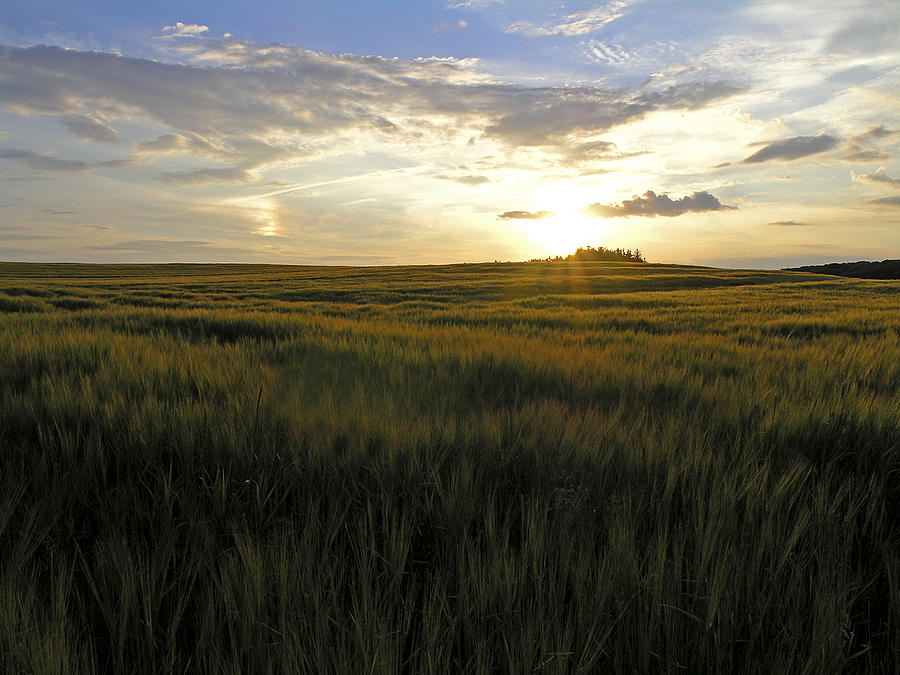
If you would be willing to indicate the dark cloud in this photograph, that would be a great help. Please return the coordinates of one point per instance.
(466, 180)
(879, 178)
(524, 215)
(43, 162)
(888, 201)
(90, 128)
(792, 148)
(204, 176)
(652, 204)
(788, 223)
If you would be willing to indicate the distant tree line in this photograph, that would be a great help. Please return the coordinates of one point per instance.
(599, 253)
(863, 269)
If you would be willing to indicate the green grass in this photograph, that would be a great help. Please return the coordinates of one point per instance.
(558, 468)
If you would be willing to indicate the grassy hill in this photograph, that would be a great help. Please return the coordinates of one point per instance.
(541, 467)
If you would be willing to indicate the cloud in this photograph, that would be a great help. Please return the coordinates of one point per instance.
(549, 116)
(888, 201)
(448, 25)
(608, 52)
(788, 223)
(867, 37)
(858, 150)
(524, 215)
(44, 162)
(177, 144)
(466, 180)
(474, 4)
(688, 95)
(792, 148)
(204, 176)
(879, 178)
(579, 23)
(876, 132)
(580, 153)
(179, 30)
(245, 94)
(90, 128)
(652, 205)
(861, 156)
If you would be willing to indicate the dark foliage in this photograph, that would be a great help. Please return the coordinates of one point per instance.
(863, 269)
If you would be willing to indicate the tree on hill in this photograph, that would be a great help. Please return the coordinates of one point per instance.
(589, 253)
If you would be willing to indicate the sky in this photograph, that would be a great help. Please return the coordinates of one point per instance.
(754, 134)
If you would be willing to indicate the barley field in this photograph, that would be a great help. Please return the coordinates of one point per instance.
(495, 468)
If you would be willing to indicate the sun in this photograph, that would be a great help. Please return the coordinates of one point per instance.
(564, 231)
(568, 227)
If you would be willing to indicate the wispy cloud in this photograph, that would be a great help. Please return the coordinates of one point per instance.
(788, 223)
(578, 23)
(297, 187)
(474, 4)
(177, 144)
(90, 128)
(652, 204)
(44, 162)
(205, 176)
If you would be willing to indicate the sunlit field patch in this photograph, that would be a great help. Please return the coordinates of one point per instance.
(544, 467)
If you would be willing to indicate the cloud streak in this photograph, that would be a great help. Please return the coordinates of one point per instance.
(651, 205)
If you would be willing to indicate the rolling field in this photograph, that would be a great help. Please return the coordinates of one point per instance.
(556, 468)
